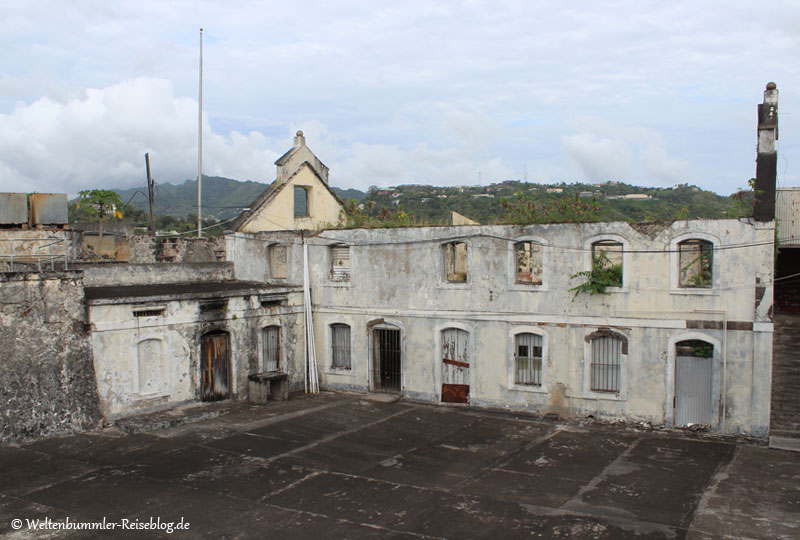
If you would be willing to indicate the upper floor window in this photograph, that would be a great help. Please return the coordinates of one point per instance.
(528, 256)
(300, 201)
(455, 262)
(696, 262)
(340, 263)
(340, 346)
(607, 257)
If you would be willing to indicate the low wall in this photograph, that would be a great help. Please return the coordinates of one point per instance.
(115, 273)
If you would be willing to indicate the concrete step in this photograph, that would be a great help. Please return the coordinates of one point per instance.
(785, 443)
(175, 416)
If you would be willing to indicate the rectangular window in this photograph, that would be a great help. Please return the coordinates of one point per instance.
(696, 263)
(606, 358)
(528, 359)
(300, 201)
(340, 346)
(607, 262)
(277, 261)
(340, 263)
(455, 262)
(272, 347)
(529, 262)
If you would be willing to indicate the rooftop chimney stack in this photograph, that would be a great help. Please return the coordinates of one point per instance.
(299, 139)
(767, 160)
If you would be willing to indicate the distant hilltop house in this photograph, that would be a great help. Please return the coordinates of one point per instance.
(554, 190)
(667, 323)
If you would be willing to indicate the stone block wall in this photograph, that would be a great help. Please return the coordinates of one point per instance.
(47, 383)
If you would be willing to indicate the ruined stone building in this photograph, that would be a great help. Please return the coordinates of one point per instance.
(470, 314)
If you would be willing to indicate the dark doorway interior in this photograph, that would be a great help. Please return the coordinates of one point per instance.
(386, 360)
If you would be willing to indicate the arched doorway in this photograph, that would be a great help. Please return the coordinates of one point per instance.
(694, 382)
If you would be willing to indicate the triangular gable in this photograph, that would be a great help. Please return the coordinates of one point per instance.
(264, 200)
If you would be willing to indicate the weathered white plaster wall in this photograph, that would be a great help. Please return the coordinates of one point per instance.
(398, 274)
(115, 333)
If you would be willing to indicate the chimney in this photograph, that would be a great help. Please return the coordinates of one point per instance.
(767, 160)
(299, 140)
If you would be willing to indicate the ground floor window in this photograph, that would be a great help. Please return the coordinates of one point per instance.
(340, 346)
(528, 359)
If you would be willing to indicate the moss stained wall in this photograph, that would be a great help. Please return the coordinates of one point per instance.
(47, 383)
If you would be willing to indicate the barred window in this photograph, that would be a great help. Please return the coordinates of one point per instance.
(528, 359)
(340, 346)
(607, 352)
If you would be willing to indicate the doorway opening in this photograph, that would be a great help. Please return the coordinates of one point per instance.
(215, 366)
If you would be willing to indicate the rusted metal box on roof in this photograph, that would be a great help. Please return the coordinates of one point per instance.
(13, 208)
(787, 212)
(48, 208)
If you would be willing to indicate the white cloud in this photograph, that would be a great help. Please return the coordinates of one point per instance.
(99, 138)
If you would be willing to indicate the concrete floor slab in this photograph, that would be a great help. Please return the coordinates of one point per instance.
(339, 466)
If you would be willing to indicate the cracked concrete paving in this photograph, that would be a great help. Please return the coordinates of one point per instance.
(344, 466)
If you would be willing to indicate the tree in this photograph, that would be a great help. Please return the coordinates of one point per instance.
(100, 205)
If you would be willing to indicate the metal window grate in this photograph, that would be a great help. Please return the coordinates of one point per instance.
(155, 312)
(528, 359)
(386, 360)
(606, 360)
(272, 347)
(340, 346)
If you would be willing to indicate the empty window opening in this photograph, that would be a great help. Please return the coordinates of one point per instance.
(277, 261)
(528, 359)
(272, 347)
(455, 261)
(340, 263)
(529, 262)
(696, 262)
(607, 260)
(340, 346)
(386, 360)
(213, 306)
(300, 201)
(607, 353)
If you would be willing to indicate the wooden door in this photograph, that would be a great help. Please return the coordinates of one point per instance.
(215, 366)
(455, 366)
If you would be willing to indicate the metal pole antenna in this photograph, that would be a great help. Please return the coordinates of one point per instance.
(200, 144)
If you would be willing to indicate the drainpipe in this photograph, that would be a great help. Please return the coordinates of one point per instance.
(312, 381)
(724, 361)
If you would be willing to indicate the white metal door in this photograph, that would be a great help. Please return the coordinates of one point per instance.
(693, 390)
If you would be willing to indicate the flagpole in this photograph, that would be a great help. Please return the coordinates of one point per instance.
(200, 143)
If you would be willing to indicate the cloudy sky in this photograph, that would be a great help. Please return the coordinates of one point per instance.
(442, 92)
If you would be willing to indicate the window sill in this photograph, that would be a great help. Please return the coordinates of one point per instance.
(530, 388)
(338, 284)
(455, 285)
(527, 287)
(341, 372)
(605, 396)
(692, 291)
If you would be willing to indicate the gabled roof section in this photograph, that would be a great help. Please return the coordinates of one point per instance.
(269, 194)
